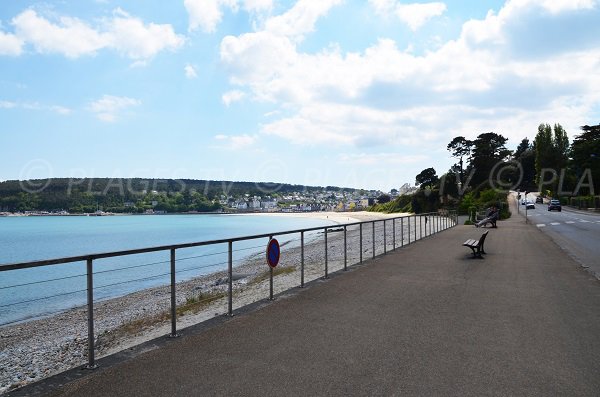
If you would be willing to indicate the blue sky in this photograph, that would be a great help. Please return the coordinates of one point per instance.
(361, 94)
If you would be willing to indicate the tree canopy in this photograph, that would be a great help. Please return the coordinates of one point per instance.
(427, 178)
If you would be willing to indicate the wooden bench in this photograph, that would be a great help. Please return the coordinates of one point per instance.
(477, 245)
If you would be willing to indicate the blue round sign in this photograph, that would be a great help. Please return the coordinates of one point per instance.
(273, 252)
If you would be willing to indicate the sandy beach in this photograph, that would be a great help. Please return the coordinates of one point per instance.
(36, 349)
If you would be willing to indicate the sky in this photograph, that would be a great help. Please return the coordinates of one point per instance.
(362, 94)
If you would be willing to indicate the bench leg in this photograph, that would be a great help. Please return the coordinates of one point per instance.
(476, 253)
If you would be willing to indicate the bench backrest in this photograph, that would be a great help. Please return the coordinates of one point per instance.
(483, 236)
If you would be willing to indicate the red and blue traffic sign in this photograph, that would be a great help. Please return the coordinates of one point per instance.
(273, 252)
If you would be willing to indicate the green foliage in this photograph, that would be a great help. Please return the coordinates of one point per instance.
(525, 155)
(484, 199)
(551, 155)
(427, 178)
(425, 200)
(585, 153)
(460, 147)
(488, 150)
(136, 195)
(467, 203)
(399, 204)
(384, 198)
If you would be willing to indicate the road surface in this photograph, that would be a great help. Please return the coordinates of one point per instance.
(576, 232)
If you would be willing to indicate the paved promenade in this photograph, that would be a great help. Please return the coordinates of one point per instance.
(426, 320)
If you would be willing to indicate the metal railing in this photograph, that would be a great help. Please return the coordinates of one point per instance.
(419, 226)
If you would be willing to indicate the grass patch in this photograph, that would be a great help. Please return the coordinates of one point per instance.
(276, 272)
(196, 303)
(192, 305)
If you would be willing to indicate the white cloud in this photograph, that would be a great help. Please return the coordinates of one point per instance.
(35, 106)
(7, 105)
(381, 158)
(232, 96)
(417, 14)
(237, 142)
(258, 5)
(61, 110)
(130, 36)
(75, 38)
(190, 71)
(10, 44)
(494, 76)
(70, 37)
(554, 6)
(300, 19)
(109, 107)
(206, 14)
(383, 7)
(414, 15)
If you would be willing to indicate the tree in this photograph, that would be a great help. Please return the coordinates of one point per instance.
(525, 156)
(585, 153)
(384, 198)
(427, 178)
(460, 147)
(488, 150)
(551, 155)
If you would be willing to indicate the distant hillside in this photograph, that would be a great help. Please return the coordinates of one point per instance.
(135, 194)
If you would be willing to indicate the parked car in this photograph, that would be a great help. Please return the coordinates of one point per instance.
(524, 201)
(539, 200)
(530, 205)
(554, 205)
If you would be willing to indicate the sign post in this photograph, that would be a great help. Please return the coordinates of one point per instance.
(526, 205)
(273, 254)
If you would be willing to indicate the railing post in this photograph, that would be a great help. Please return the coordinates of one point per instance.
(326, 264)
(301, 259)
(90, 304)
(384, 238)
(345, 248)
(360, 245)
(271, 283)
(373, 239)
(402, 232)
(394, 234)
(416, 237)
(173, 298)
(421, 226)
(408, 228)
(230, 273)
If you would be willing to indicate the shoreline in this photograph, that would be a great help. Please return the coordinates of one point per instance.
(352, 216)
(39, 348)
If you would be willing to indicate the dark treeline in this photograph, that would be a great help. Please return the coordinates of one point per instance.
(485, 170)
(134, 195)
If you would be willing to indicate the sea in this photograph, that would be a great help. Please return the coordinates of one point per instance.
(36, 292)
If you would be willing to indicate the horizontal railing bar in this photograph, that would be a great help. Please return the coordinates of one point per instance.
(80, 258)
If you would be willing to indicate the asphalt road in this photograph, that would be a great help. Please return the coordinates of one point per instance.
(576, 232)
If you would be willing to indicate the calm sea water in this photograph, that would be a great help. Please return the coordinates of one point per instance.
(40, 291)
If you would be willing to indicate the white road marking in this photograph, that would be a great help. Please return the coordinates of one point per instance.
(569, 222)
(541, 225)
(555, 223)
(584, 221)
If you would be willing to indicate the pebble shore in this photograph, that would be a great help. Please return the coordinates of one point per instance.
(37, 349)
